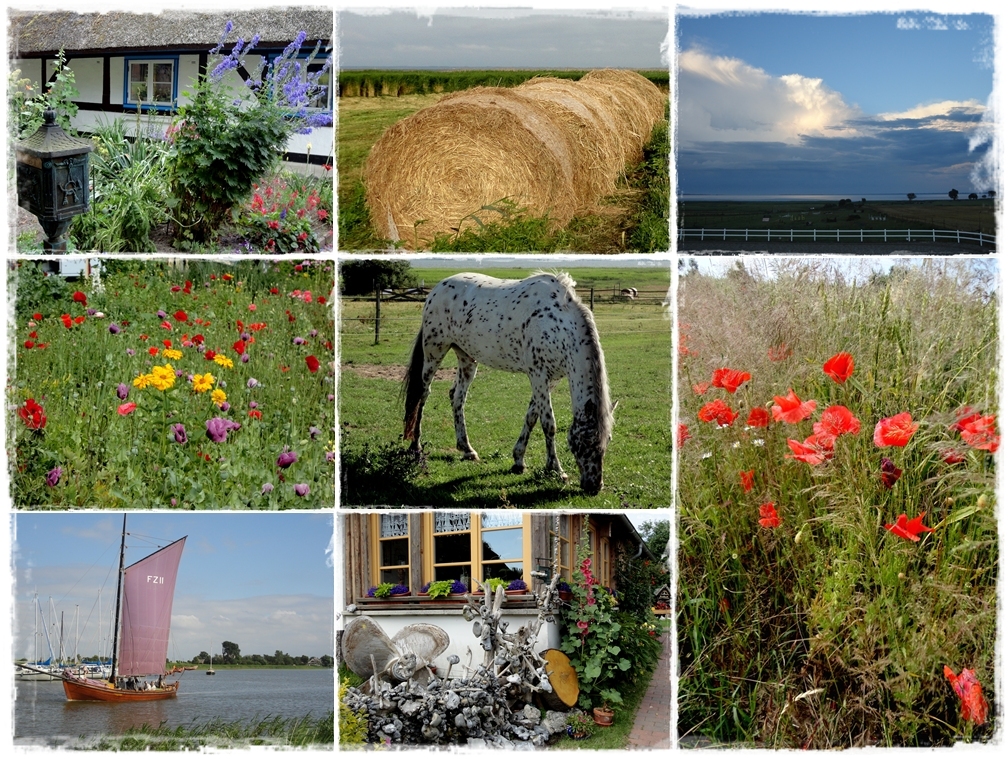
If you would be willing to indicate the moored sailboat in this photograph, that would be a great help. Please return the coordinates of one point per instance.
(144, 597)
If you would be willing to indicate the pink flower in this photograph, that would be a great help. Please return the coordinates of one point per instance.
(126, 409)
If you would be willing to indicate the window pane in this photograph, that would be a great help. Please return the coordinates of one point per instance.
(162, 93)
(453, 573)
(138, 72)
(138, 92)
(502, 544)
(395, 553)
(510, 571)
(394, 525)
(451, 521)
(395, 576)
(163, 72)
(505, 518)
(452, 548)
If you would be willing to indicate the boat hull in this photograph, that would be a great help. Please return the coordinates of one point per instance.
(78, 689)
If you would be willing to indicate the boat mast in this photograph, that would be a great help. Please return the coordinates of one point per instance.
(115, 633)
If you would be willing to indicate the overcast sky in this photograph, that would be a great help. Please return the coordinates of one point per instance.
(853, 106)
(259, 580)
(489, 38)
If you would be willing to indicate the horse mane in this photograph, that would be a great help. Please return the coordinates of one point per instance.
(596, 361)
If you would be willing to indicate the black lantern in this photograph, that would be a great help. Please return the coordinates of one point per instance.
(52, 179)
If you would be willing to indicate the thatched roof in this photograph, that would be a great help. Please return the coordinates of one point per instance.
(34, 33)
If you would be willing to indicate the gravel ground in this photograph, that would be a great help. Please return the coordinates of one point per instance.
(731, 248)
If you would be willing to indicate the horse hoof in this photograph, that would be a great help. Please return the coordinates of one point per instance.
(470, 456)
(518, 469)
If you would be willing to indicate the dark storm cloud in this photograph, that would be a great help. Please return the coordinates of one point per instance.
(521, 40)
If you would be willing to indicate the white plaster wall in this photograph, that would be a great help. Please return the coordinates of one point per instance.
(30, 69)
(88, 77)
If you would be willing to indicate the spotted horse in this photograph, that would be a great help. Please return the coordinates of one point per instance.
(537, 326)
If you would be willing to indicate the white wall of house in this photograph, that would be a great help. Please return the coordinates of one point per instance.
(459, 631)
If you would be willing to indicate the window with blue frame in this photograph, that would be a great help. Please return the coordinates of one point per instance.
(151, 82)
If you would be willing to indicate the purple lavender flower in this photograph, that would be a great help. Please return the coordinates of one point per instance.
(180, 433)
(301, 489)
(252, 382)
(286, 458)
(53, 477)
(122, 390)
(218, 428)
(228, 27)
(114, 328)
(267, 488)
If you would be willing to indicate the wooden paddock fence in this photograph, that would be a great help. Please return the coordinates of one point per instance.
(840, 235)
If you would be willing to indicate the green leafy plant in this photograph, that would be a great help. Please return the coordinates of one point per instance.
(440, 588)
(26, 104)
(581, 725)
(493, 583)
(353, 726)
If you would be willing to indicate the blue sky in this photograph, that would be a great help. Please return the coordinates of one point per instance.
(263, 581)
(861, 105)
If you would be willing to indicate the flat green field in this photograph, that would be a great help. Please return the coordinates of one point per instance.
(636, 339)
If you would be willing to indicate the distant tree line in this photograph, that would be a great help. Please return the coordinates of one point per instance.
(231, 654)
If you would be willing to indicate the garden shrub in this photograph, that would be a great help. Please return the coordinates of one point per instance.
(39, 291)
(26, 105)
(279, 218)
(223, 144)
(638, 641)
(353, 726)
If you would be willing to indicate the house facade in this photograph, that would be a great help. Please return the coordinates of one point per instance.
(128, 65)
(415, 548)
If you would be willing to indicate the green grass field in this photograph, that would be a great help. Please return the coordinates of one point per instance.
(636, 339)
(830, 631)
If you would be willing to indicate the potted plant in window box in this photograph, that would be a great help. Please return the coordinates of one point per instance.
(564, 591)
(387, 590)
(459, 589)
(493, 583)
(437, 589)
(516, 587)
(580, 726)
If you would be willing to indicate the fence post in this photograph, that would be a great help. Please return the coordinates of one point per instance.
(591, 299)
(724, 233)
(885, 237)
(377, 313)
(813, 235)
(957, 236)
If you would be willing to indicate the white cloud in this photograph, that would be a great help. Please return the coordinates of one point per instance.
(187, 621)
(985, 174)
(727, 100)
(936, 110)
(904, 22)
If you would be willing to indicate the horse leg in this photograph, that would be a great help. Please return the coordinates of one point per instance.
(548, 422)
(531, 417)
(433, 355)
(460, 388)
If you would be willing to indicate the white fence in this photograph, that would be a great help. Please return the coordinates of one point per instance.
(839, 235)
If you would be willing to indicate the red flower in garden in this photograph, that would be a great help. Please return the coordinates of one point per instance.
(836, 421)
(682, 435)
(747, 479)
(284, 368)
(255, 413)
(79, 297)
(33, 335)
(952, 456)
(790, 409)
(701, 387)
(909, 528)
(840, 367)
(967, 686)
(978, 432)
(29, 344)
(166, 325)
(198, 339)
(313, 363)
(67, 321)
(890, 472)
(176, 288)
(239, 347)
(153, 350)
(768, 516)
(79, 319)
(209, 355)
(321, 299)
(257, 326)
(758, 417)
(37, 316)
(32, 414)
(729, 379)
(717, 411)
(894, 430)
(126, 408)
(779, 352)
(274, 291)
(166, 343)
(143, 337)
(963, 415)
(226, 277)
(181, 316)
(815, 450)
(188, 287)
(323, 214)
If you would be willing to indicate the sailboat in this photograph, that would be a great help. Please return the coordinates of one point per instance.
(144, 596)
(211, 671)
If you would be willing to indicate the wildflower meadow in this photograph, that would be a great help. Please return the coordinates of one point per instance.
(837, 534)
(201, 385)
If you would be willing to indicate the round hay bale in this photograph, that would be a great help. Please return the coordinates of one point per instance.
(596, 138)
(636, 103)
(437, 171)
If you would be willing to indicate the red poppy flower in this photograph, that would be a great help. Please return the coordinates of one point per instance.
(209, 355)
(815, 450)
(746, 479)
(717, 411)
(180, 316)
(790, 409)
(29, 344)
(188, 287)
(967, 686)
(143, 337)
(978, 432)
(33, 335)
(79, 297)
(909, 529)
(153, 350)
(963, 415)
(255, 413)
(840, 367)
(836, 421)
(239, 346)
(166, 343)
(894, 430)
(257, 326)
(176, 288)
(126, 408)
(32, 414)
(952, 456)
(37, 316)
(779, 352)
(67, 321)
(313, 363)
(284, 368)
(758, 417)
(198, 339)
(701, 387)
(274, 291)
(321, 299)
(226, 277)
(729, 379)
(890, 472)
(79, 319)
(768, 516)
(682, 435)
(166, 325)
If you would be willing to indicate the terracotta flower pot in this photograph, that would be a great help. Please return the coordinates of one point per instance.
(602, 716)
(566, 595)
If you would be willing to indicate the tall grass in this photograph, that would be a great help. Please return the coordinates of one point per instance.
(829, 631)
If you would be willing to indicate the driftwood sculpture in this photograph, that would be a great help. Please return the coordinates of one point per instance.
(368, 651)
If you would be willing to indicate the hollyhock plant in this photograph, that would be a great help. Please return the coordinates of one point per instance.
(839, 368)
(967, 686)
(909, 529)
(894, 431)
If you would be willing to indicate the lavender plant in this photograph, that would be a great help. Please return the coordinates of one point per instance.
(223, 143)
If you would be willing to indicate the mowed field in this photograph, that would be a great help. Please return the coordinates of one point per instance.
(964, 215)
(636, 339)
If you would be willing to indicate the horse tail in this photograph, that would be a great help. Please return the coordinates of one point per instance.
(412, 387)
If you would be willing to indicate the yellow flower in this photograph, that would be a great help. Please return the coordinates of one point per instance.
(224, 361)
(171, 353)
(162, 377)
(202, 382)
(218, 396)
(142, 381)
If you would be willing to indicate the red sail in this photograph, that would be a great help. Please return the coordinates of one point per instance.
(148, 591)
